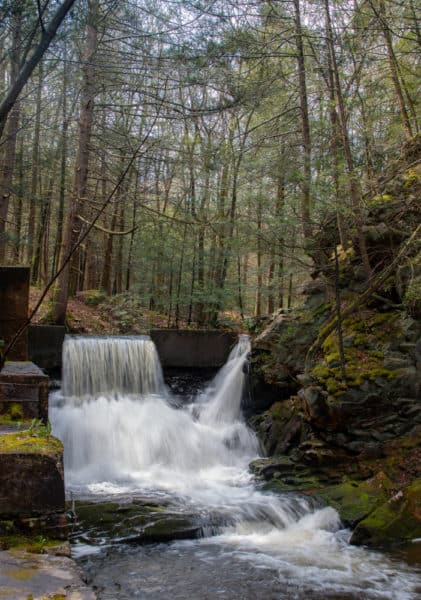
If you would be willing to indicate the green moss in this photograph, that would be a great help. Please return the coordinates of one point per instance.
(369, 332)
(380, 199)
(276, 409)
(36, 544)
(395, 520)
(411, 178)
(16, 411)
(354, 501)
(322, 309)
(289, 333)
(412, 297)
(24, 442)
(6, 419)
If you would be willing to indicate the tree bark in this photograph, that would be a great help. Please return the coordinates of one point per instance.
(7, 169)
(305, 125)
(73, 224)
(34, 199)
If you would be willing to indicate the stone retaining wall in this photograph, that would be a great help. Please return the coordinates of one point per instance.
(25, 384)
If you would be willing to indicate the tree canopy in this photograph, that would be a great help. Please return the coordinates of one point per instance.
(188, 152)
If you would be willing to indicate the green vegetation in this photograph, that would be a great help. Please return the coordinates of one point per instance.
(365, 335)
(394, 521)
(37, 544)
(92, 297)
(26, 442)
(381, 199)
(218, 212)
(355, 500)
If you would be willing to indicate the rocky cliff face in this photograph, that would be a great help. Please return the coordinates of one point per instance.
(331, 421)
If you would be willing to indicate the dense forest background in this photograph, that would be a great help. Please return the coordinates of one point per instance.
(188, 152)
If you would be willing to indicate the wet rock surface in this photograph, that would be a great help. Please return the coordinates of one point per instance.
(136, 522)
(41, 577)
(398, 518)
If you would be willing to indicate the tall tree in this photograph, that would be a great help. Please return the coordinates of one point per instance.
(73, 222)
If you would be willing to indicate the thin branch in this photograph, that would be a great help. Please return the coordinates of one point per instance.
(27, 69)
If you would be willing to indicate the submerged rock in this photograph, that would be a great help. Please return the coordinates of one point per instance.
(24, 575)
(133, 522)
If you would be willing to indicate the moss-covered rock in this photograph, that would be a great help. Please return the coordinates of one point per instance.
(23, 442)
(368, 334)
(397, 520)
(92, 297)
(281, 426)
(356, 500)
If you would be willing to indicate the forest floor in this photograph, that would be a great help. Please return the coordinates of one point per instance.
(121, 314)
(93, 312)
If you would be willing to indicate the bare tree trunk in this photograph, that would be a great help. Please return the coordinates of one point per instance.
(73, 224)
(335, 140)
(19, 207)
(239, 284)
(118, 271)
(200, 306)
(380, 13)
(34, 198)
(271, 282)
(6, 172)
(179, 278)
(290, 288)
(106, 272)
(131, 242)
(63, 160)
(305, 125)
(279, 245)
(339, 316)
(43, 227)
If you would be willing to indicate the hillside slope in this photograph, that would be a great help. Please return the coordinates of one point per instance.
(340, 418)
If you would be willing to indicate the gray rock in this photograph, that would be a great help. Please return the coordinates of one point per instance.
(38, 576)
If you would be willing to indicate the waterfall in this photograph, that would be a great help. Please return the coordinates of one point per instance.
(107, 365)
(222, 399)
(118, 422)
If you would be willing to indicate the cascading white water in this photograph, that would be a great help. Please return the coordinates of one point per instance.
(123, 434)
(107, 365)
(117, 423)
(222, 399)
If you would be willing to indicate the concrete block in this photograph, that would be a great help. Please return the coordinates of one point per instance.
(14, 300)
(26, 384)
(186, 348)
(45, 345)
(32, 485)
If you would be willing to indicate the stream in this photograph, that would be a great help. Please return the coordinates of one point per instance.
(163, 503)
